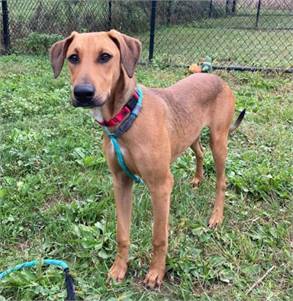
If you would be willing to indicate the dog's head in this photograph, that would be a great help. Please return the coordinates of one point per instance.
(96, 61)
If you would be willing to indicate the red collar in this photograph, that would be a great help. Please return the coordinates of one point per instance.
(125, 110)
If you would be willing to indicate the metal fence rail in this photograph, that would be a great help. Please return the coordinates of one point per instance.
(237, 34)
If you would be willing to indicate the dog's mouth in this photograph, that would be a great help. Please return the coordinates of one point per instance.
(87, 103)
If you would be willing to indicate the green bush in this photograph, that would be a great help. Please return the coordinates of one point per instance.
(39, 43)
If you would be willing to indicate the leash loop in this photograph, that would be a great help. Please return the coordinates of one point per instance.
(69, 283)
(121, 161)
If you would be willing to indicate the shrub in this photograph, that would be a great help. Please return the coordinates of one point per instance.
(39, 43)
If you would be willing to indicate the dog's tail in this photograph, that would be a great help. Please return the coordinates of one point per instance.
(236, 124)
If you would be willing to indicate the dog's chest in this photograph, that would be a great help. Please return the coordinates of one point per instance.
(111, 154)
(112, 150)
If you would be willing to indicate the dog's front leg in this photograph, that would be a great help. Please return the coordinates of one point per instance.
(122, 193)
(160, 194)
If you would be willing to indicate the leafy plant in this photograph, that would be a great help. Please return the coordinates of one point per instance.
(39, 43)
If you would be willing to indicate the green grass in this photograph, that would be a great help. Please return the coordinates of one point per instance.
(268, 20)
(56, 198)
(190, 43)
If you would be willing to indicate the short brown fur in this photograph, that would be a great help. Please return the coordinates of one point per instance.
(170, 121)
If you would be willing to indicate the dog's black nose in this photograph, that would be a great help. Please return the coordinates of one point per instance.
(84, 92)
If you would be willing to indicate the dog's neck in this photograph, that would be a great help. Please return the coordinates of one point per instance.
(118, 98)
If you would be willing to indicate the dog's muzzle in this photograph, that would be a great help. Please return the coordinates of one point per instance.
(84, 96)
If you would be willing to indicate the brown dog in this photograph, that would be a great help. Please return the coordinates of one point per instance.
(102, 68)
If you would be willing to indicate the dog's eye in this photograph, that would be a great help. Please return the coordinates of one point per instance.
(73, 59)
(104, 58)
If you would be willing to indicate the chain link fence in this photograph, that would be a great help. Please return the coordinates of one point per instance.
(237, 34)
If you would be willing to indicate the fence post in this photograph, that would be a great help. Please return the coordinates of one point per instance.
(234, 7)
(227, 9)
(152, 30)
(109, 14)
(258, 13)
(169, 12)
(211, 9)
(6, 35)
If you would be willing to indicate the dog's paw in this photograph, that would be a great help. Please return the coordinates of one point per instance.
(118, 270)
(154, 278)
(216, 219)
(196, 181)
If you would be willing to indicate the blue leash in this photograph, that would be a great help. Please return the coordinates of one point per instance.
(59, 263)
(122, 129)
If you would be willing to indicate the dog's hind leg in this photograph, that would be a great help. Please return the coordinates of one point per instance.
(122, 191)
(198, 150)
(219, 140)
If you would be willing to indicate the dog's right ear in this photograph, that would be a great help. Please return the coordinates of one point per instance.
(58, 52)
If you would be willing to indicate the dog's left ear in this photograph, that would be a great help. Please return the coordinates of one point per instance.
(58, 52)
(130, 49)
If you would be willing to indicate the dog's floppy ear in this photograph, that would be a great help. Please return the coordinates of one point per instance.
(58, 53)
(130, 49)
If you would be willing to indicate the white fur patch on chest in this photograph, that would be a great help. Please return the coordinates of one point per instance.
(97, 114)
